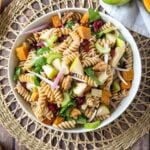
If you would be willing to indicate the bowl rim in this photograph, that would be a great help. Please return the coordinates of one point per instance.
(76, 130)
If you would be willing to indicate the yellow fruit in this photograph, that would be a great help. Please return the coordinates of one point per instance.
(147, 5)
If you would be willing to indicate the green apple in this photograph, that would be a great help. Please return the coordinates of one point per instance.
(102, 50)
(102, 111)
(111, 37)
(96, 92)
(116, 2)
(120, 43)
(76, 66)
(50, 71)
(79, 89)
(102, 77)
(119, 51)
(57, 64)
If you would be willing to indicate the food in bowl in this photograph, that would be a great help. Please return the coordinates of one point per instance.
(72, 70)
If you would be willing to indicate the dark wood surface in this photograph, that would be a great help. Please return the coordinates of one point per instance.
(7, 142)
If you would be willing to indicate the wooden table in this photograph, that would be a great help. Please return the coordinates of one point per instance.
(9, 143)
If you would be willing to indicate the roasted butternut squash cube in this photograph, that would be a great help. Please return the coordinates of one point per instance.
(84, 32)
(34, 96)
(58, 120)
(125, 86)
(56, 21)
(22, 53)
(47, 121)
(128, 75)
(85, 18)
(105, 99)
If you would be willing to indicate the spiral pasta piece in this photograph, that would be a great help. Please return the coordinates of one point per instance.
(103, 42)
(129, 63)
(109, 79)
(58, 97)
(26, 78)
(66, 124)
(86, 79)
(66, 83)
(28, 62)
(93, 102)
(100, 66)
(69, 58)
(65, 31)
(23, 92)
(47, 91)
(106, 26)
(89, 61)
(71, 16)
(89, 112)
(64, 45)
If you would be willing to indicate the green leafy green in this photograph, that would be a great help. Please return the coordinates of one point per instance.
(18, 71)
(91, 74)
(40, 61)
(51, 40)
(36, 81)
(53, 56)
(69, 24)
(63, 109)
(37, 69)
(93, 15)
(66, 100)
(92, 125)
(82, 120)
(42, 50)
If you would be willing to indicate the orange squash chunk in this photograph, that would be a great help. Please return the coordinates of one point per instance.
(34, 96)
(56, 21)
(147, 5)
(84, 32)
(128, 75)
(47, 121)
(105, 99)
(126, 86)
(85, 18)
(22, 53)
(58, 120)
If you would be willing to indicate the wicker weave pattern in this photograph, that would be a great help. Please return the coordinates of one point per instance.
(119, 135)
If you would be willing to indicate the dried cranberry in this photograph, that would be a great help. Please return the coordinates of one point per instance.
(80, 101)
(62, 38)
(85, 45)
(53, 107)
(97, 25)
(112, 52)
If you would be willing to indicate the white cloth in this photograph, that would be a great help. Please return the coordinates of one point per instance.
(132, 15)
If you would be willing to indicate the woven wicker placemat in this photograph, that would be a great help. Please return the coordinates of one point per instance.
(121, 134)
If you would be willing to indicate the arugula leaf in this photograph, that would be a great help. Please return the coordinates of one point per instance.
(42, 50)
(40, 61)
(70, 104)
(93, 15)
(81, 120)
(69, 24)
(18, 71)
(36, 81)
(91, 74)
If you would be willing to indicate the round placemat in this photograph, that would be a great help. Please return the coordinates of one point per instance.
(120, 134)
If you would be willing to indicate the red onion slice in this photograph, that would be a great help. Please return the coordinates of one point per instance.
(57, 79)
(36, 29)
(121, 69)
(121, 78)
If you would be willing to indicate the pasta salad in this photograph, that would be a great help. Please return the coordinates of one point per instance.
(74, 70)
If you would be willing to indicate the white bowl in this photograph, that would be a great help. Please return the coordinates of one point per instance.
(124, 103)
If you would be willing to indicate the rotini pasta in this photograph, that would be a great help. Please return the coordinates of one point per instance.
(26, 78)
(71, 72)
(86, 79)
(23, 92)
(90, 61)
(66, 125)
